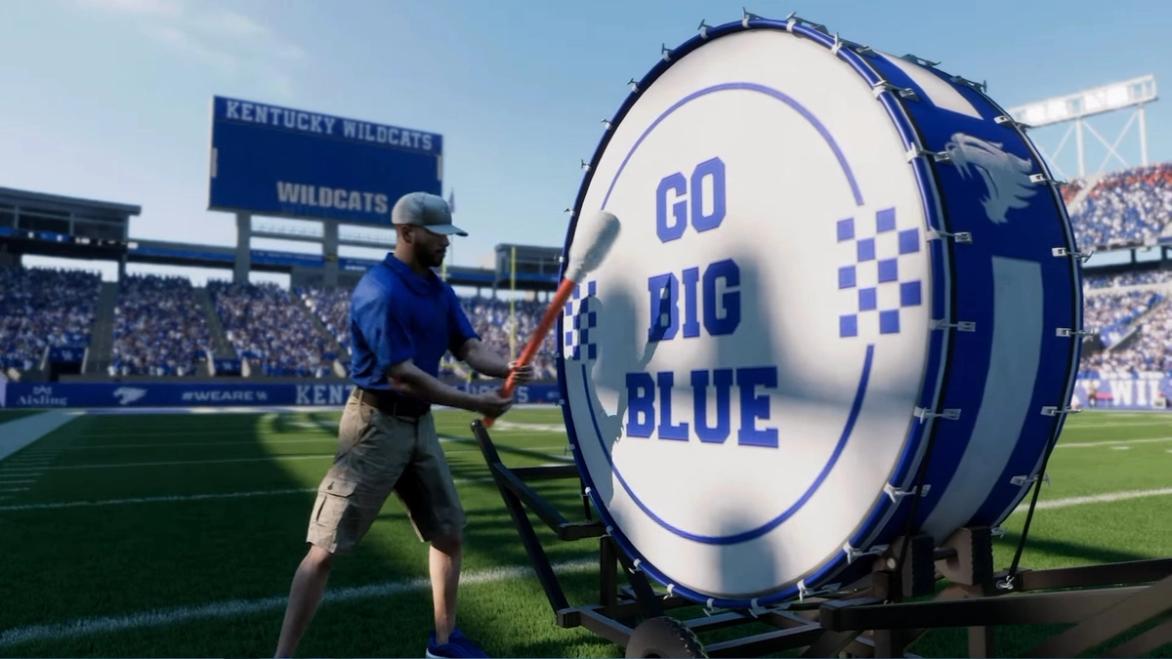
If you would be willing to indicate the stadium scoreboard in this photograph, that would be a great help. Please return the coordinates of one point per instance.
(277, 161)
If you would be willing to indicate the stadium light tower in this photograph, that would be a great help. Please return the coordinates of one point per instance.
(1078, 107)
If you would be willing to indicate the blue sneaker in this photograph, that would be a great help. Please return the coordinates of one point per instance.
(458, 645)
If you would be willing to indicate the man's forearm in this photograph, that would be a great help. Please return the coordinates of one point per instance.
(423, 386)
(487, 362)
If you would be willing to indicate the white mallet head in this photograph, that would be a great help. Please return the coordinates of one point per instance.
(592, 241)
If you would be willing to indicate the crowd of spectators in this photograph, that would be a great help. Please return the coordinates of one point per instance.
(495, 324)
(159, 328)
(491, 318)
(1134, 326)
(1127, 208)
(1111, 314)
(332, 308)
(1092, 282)
(271, 331)
(1148, 349)
(42, 308)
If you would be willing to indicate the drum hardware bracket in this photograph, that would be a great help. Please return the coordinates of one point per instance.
(960, 236)
(922, 413)
(747, 16)
(1082, 256)
(914, 59)
(960, 326)
(584, 165)
(979, 86)
(634, 85)
(837, 45)
(703, 29)
(882, 86)
(898, 493)
(1054, 410)
(606, 125)
(1044, 178)
(665, 52)
(858, 48)
(1006, 119)
(1066, 331)
(1023, 479)
(852, 553)
(919, 151)
(793, 19)
(997, 532)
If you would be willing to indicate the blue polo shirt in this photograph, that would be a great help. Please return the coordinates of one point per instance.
(396, 315)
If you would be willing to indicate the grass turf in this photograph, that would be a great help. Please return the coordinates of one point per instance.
(64, 564)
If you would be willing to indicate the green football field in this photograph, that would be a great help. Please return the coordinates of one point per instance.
(177, 535)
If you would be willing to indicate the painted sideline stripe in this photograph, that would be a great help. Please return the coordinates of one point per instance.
(21, 432)
(1115, 442)
(1096, 498)
(159, 499)
(238, 607)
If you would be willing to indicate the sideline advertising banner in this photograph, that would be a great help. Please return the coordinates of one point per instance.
(201, 394)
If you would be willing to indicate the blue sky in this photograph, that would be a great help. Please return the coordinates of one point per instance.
(110, 99)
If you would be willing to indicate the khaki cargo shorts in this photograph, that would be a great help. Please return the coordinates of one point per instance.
(378, 453)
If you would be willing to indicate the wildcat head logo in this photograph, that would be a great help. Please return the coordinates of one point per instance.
(1006, 177)
(127, 395)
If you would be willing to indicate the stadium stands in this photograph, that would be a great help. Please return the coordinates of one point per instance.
(271, 332)
(1132, 315)
(332, 307)
(159, 329)
(489, 317)
(42, 308)
(1132, 207)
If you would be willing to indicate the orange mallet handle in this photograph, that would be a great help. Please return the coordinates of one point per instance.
(530, 351)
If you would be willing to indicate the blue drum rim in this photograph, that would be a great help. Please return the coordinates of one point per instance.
(939, 357)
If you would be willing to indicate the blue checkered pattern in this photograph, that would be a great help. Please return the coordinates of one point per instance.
(873, 273)
(581, 318)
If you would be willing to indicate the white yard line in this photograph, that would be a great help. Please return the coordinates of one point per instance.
(175, 463)
(82, 627)
(1106, 497)
(14, 489)
(180, 498)
(265, 442)
(1115, 442)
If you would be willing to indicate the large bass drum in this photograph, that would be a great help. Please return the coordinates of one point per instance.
(844, 305)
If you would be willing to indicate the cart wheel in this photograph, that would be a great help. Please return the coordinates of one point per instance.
(664, 637)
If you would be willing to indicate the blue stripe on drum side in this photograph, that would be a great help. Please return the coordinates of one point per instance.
(1005, 402)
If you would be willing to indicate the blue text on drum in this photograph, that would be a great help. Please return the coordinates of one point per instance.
(710, 301)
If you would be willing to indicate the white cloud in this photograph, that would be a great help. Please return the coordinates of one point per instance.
(227, 39)
(168, 8)
(185, 43)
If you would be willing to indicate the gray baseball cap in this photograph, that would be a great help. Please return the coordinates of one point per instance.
(426, 210)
